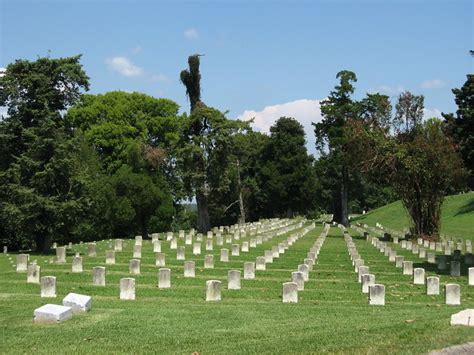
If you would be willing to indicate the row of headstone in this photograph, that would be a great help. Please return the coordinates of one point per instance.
(452, 291)
(299, 277)
(375, 292)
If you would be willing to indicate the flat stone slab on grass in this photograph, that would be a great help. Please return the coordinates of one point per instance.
(52, 313)
(465, 317)
(78, 303)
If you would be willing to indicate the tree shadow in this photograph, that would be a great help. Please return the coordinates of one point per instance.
(467, 208)
(434, 267)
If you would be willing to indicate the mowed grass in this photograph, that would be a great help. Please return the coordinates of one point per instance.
(332, 314)
(457, 216)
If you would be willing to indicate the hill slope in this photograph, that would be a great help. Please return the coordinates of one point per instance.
(457, 216)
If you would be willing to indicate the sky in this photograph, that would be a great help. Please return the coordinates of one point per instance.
(262, 59)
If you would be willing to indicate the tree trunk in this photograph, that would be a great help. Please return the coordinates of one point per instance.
(204, 224)
(344, 217)
(43, 244)
(241, 198)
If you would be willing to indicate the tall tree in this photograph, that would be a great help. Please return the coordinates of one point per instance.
(41, 191)
(286, 173)
(408, 111)
(336, 110)
(461, 125)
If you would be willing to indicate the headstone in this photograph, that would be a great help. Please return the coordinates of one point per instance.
(419, 276)
(224, 255)
(245, 247)
(455, 268)
(91, 250)
(209, 245)
(469, 259)
(160, 259)
(235, 249)
(127, 289)
(465, 317)
(268, 256)
(471, 276)
(5, 249)
(431, 258)
(275, 252)
(362, 271)
(134, 267)
(213, 290)
(309, 262)
(233, 280)
(157, 246)
(442, 262)
(52, 313)
(78, 303)
(432, 285)
(181, 253)
(209, 262)
(290, 292)
(110, 257)
(305, 270)
(60, 255)
(189, 269)
(392, 256)
(138, 240)
(249, 270)
(22, 262)
(98, 276)
(399, 261)
(197, 248)
(174, 243)
(260, 263)
(377, 295)
(164, 278)
(118, 245)
(367, 280)
(33, 274)
(48, 286)
(422, 253)
(137, 251)
(453, 294)
(298, 278)
(77, 264)
(408, 268)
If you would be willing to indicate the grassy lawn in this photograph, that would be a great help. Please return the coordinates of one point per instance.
(332, 314)
(457, 218)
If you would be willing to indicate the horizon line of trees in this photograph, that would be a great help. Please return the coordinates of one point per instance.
(76, 166)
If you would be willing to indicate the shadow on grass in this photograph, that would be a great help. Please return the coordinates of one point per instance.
(434, 267)
(467, 208)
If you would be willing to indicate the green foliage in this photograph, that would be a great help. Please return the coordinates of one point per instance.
(285, 173)
(461, 125)
(41, 180)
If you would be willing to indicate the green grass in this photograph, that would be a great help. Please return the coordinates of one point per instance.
(332, 314)
(457, 216)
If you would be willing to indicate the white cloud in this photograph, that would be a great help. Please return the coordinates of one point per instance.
(2, 71)
(191, 33)
(304, 111)
(430, 113)
(124, 66)
(388, 90)
(433, 84)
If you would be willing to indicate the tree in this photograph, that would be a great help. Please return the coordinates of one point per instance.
(420, 166)
(135, 137)
(461, 125)
(41, 186)
(330, 140)
(204, 157)
(285, 173)
(409, 111)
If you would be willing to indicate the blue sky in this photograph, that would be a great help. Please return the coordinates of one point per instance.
(262, 58)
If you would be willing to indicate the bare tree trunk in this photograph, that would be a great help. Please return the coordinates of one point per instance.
(344, 218)
(241, 198)
(204, 224)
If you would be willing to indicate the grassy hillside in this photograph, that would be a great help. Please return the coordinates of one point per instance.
(332, 315)
(457, 216)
